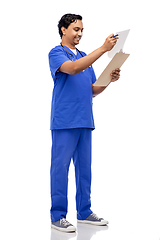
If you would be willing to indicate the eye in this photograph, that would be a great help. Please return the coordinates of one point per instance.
(78, 29)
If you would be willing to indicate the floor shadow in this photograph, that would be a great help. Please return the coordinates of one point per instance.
(84, 232)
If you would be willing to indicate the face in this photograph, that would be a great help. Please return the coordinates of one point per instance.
(72, 35)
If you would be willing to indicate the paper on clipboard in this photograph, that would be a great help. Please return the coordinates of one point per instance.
(120, 43)
(116, 62)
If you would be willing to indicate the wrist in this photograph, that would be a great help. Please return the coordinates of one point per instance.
(104, 49)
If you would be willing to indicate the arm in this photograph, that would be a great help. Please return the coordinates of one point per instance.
(98, 89)
(81, 64)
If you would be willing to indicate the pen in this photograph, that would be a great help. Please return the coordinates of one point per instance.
(115, 35)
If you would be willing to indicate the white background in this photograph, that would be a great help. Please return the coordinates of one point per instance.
(126, 172)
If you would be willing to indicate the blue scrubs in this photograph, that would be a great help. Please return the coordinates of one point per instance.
(71, 126)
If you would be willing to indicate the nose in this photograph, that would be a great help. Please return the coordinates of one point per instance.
(80, 33)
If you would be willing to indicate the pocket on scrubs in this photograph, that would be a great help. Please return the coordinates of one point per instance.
(67, 113)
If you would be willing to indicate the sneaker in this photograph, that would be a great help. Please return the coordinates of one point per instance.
(94, 220)
(63, 225)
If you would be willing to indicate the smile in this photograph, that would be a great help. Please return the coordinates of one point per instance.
(77, 38)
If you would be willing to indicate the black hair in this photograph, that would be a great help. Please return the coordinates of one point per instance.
(66, 20)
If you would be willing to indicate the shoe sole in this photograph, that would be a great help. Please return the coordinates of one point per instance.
(64, 229)
(93, 222)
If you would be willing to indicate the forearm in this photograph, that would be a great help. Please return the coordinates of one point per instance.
(97, 90)
(83, 63)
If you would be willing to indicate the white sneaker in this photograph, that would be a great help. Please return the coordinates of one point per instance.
(63, 225)
(94, 220)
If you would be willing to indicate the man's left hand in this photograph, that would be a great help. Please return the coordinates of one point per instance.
(115, 75)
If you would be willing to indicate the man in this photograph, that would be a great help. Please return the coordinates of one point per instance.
(72, 121)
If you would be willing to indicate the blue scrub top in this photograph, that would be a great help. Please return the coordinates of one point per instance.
(72, 94)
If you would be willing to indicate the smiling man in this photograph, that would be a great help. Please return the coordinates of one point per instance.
(72, 121)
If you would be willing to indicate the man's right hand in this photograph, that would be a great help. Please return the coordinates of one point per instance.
(110, 42)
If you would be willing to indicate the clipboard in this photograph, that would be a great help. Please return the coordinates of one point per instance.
(116, 62)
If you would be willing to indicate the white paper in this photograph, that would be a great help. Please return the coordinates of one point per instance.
(120, 43)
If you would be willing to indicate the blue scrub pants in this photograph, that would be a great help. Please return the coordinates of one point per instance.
(67, 144)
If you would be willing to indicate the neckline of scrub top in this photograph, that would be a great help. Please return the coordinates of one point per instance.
(74, 51)
(70, 51)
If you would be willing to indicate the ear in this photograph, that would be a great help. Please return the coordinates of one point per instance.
(63, 29)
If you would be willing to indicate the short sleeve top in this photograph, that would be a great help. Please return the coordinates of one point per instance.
(71, 105)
